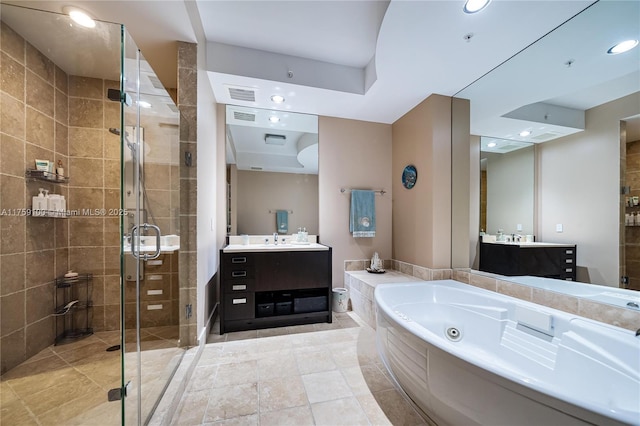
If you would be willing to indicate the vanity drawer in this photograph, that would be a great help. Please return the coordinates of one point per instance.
(239, 285)
(239, 306)
(240, 266)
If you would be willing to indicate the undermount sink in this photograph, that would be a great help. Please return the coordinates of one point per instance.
(274, 247)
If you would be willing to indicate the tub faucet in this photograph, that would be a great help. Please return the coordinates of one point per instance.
(275, 238)
(638, 332)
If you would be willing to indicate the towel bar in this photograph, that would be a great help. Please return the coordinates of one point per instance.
(379, 191)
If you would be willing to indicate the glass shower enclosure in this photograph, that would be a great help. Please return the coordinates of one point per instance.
(85, 101)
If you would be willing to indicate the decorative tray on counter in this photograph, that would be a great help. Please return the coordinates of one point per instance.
(376, 271)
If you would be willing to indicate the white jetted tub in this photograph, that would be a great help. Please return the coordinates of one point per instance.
(468, 356)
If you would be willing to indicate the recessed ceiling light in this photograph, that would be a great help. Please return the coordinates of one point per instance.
(623, 46)
(277, 99)
(144, 104)
(525, 133)
(474, 6)
(491, 145)
(274, 119)
(79, 16)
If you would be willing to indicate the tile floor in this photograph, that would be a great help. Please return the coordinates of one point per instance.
(68, 384)
(319, 374)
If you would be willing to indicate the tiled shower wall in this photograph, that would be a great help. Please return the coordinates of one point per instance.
(46, 114)
(632, 233)
(33, 124)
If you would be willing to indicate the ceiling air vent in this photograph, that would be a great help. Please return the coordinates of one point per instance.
(244, 116)
(242, 94)
(274, 139)
(155, 82)
(545, 136)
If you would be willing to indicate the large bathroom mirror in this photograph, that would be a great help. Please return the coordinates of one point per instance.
(506, 186)
(272, 171)
(579, 106)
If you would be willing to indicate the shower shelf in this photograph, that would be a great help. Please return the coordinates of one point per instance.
(72, 308)
(45, 176)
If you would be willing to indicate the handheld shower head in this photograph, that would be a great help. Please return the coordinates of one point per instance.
(117, 132)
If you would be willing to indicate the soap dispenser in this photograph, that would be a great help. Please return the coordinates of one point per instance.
(39, 205)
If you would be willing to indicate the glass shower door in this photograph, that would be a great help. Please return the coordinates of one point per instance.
(150, 211)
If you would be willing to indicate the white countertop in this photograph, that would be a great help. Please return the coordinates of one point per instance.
(237, 248)
(152, 249)
(525, 244)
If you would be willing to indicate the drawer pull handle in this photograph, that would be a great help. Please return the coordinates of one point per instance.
(236, 274)
(569, 260)
(239, 287)
(240, 301)
(569, 251)
(156, 262)
(238, 260)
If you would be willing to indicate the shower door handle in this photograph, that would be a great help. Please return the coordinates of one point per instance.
(134, 236)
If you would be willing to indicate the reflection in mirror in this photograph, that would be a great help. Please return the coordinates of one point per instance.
(506, 186)
(573, 100)
(272, 166)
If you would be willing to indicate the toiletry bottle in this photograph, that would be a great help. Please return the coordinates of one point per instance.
(39, 205)
(60, 170)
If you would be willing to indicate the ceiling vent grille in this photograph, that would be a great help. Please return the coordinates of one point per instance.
(155, 82)
(239, 94)
(244, 116)
(545, 136)
(275, 139)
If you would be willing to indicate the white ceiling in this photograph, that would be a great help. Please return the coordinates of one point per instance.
(391, 55)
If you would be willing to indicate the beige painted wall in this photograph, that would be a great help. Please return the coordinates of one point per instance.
(422, 215)
(260, 194)
(579, 187)
(353, 154)
(510, 187)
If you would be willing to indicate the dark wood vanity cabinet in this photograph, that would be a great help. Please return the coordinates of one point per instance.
(274, 288)
(552, 261)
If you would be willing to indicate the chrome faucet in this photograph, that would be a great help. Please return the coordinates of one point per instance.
(275, 238)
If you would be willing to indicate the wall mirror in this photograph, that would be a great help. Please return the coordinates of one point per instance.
(579, 106)
(272, 166)
(506, 186)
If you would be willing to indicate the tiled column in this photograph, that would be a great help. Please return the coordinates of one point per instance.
(187, 104)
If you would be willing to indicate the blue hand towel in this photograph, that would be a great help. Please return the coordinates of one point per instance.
(362, 219)
(282, 221)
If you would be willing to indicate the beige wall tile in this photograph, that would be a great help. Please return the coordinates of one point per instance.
(42, 66)
(187, 87)
(111, 173)
(12, 116)
(12, 76)
(12, 194)
(85, 142)
(111, 114)
(112, 260)
(38, 336)
(11, 156)
(86, 87)
(12, 350)
(62, 144)
(488, 283)
(87, 260)
(40, 234)
(86, 172)
(86, 113)
(40, 130)
(111, 146)
(187, 55)
(39, 301)
(86, 231)
(61, 107)
(112, 231)
(555, 300)
(61, 80)
(12, 234)
(39, 95)
(62, 261)
(12, 313)
(12, 273)
(157, 176)
(188, 127)
(12, 43)
(515, 290)
(40, 268)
